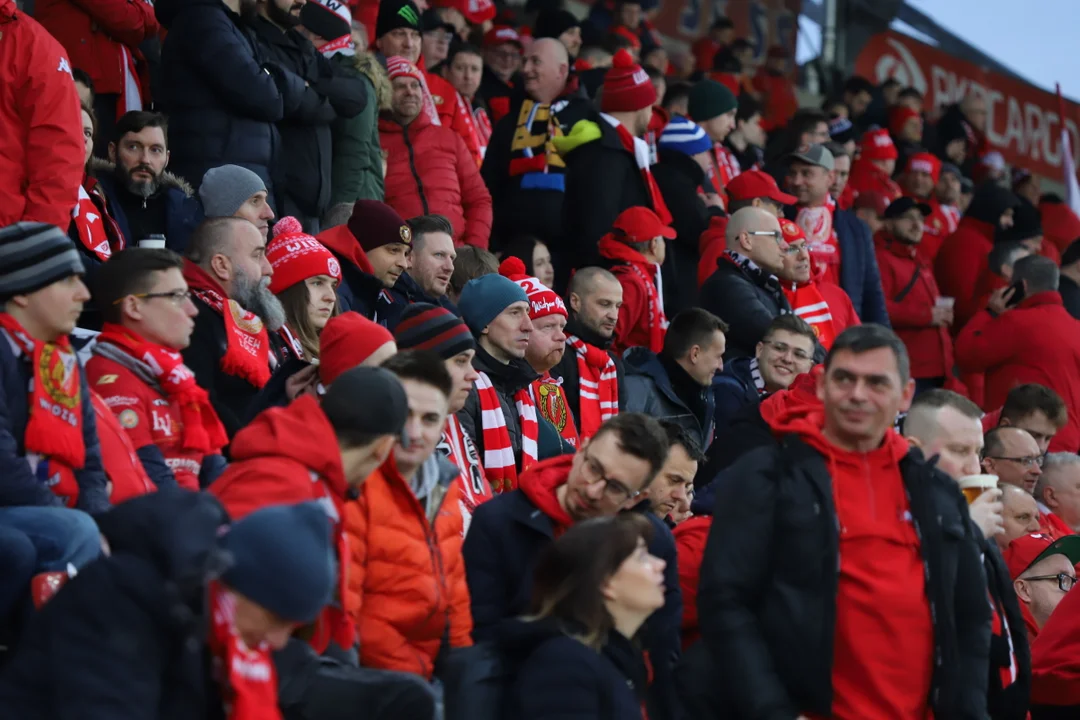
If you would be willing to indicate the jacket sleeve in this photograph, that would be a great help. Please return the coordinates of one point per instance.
(356, 526)
(663, 638)
(346, 93)
(93, 483)
(484, 573)
(554, 686)
(53, 136)
(302, 103)
(212, 467)
(357, 162)
(497, 161)
(972, 623)
(593, 190)
(153, 463)
(475, 198)
(126, 21)
(979, 346)
(873, 301)
(734, 573)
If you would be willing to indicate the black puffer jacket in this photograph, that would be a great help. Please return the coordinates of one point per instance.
(507, 380)
(747, 300)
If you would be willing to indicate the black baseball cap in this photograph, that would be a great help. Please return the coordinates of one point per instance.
(902, 204)
(367, 401)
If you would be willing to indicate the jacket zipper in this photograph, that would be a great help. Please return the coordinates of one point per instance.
(412, 168)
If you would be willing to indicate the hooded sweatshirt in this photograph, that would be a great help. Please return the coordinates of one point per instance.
(272, 465)
(884, 640)
(641, 317)
(540, 483)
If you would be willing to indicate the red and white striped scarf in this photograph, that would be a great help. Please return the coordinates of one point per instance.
(459, 448)
(598, 387)
(808, 303)
(499, 465)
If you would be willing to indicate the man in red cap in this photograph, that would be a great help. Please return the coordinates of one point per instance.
(608, 165)
(875, 165)
(1043, 571)
(919, 180)
(635, 249)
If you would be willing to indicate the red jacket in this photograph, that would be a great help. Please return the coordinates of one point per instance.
(711, 246)
(778, 99)
(453, 112)
(961, 260)
(272, 464)
(910, 294)
(429, 170)
(1060, 225)
(634, 326)
(1055, 656)
(935, 230)
(122, 466)
(690, 537)
(41, 145)
(1037, 342)
(95, 33)
(867, 177)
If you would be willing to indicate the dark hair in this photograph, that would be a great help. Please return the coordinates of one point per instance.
(421, 225)
(471, 262)
(740, 44)
(832, 106)
(889, 82)
(1052, 198)
(93, 130)
(792, 323)
(693, 326)
(857, 84)
(938, 398)
(294, 301)
(463, 47)
(614, 42)
(424, 366)
(1040, 273)
(81, 76)
(639, 435)
(722, 23)
(136, 121)
(1025, 400)
(1004, 255)
(129, 272)
(910, 92)
(992, 442)
(725, 61)
(571, 571)
(748, 108)
(522, 247)
(652, 72)
(676, 91)
(837, 149)
(678, 435)
(871, 336)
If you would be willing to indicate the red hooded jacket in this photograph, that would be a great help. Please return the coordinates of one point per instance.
(1060, 225)
(274, 464)
(429, 170)
(961, 260)
(1037, 342)
(867, 177)
(690, 537)
(635, 327)
(1055, 656)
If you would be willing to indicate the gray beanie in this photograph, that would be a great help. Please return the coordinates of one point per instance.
(34, 255)
(224, 189)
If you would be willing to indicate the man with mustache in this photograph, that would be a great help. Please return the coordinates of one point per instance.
(144, 199)
(231, 353)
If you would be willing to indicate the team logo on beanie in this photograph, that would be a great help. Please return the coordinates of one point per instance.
(406, 234)
(333, 268)
(59, 378)
(408, 15)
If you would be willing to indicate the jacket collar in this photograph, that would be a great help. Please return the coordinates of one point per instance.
(587, 335)
(104, 172)
(508, 379)
(1049, 297)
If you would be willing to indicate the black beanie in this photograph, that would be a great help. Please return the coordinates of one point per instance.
(553, 23)
(320, 18)
(1027, 224)
(394, 14)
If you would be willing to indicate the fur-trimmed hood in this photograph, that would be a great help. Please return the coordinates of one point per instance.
(100, 167)
(370, 66)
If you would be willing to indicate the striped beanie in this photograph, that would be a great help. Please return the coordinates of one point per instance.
(424, 326)
(685, 136)
(34, 255)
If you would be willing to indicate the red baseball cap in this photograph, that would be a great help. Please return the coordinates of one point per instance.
(756, 184)
(792, 232)
(500, 35)
(872, 200)
(1025, 551)
(640, 224)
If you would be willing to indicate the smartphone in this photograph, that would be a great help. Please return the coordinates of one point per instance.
(1018, 294)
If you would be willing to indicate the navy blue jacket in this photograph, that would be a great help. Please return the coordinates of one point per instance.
(732, 390)
(182, 211)
(363, 293)
(19, 485)
(649, 390)
(500, 550)
(858, 268)
(407, 291)
(127, 637)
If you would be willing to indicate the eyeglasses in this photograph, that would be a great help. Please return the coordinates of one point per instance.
(778, 237)
(1029, 461)
(178, 297)
(784, 349)
(614, 489)
(1065, 582)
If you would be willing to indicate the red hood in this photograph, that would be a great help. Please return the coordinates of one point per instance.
(342, 242)
(784, 408)
(867, 177)
(279, 433)
(612, 249)
(983, 228)
(539, 484)
(1060, 224)
(7, 9)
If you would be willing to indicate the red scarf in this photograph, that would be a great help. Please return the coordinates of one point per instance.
(499, 465)
(245, 676)
(203, 431)
(54, 430)
(598, 387)
(634, 263)
(90, 224)
(461, 451)
(821, 240)
(247, 350)
(550, 400)
(540, 484)
(807, 303)
(656, 199)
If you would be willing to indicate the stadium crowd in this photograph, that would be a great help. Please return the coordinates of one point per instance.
(371, 359)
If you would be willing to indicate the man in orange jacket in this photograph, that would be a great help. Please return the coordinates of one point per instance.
(407, 589)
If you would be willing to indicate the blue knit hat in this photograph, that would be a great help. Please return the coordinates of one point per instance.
(685, 136)
(282, 559)
(483, 298)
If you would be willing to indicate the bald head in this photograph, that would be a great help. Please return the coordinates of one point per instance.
(1020, 514)
(546, 68)
(595, 297)
(1013, 455)
(767, 251)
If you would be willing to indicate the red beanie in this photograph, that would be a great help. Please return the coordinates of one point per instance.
(543, 301)
(346, 342)
(925, 162)
(626, 86)
(297, 256)
(899, 116)
(877, 145)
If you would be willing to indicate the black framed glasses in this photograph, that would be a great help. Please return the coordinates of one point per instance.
(614, 489)
(1064, 581)
(1027, 461)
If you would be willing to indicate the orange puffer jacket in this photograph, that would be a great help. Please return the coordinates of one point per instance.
(407, 579)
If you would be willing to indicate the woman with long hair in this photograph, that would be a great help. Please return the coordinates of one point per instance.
(92, 228)
(576, 652)
(536, 256)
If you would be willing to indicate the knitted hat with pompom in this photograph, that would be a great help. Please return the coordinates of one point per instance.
(627, 87)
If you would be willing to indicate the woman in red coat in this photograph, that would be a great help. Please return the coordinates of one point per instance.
(429, 169)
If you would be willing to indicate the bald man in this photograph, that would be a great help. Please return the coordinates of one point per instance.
(1013, 455)
(547, 67)
(744, 291)
(1021, 515)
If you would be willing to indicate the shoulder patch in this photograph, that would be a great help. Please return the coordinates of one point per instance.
(128, 419)
(107, 379)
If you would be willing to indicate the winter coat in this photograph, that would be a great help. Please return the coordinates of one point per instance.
(690, 537)
(122, 464)
(95, 35)
(732, 390)
(41, 148)
(747, 300)
(20, 484)
(223, 103)
(1010, 702)
(679, 176)
(1036, 342)
(305, 129)
(559, 677)
(507, 380)
(566, 370)
(407, 589)
(910, 296)
(858, 268)
(406, 292)
(1070, 295)
(127, 637)
(429, 170)
(356, 172)
(359, 291)
(650, 389)
(768, 618)
(182, 211)
(272, 465)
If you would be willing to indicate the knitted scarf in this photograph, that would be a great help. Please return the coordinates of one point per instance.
(641, 157)
(499, 465)
(203, 431)
(54, 431)
(807, 302)
(631, 262)
(533, 157)
(90, 224)
(755, 375)
(247, 350)
(247, 676)
(821, 240)
(598, 387)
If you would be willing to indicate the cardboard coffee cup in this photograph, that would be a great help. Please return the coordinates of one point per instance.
(156, 242)
(945, 302)
(975, 485)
